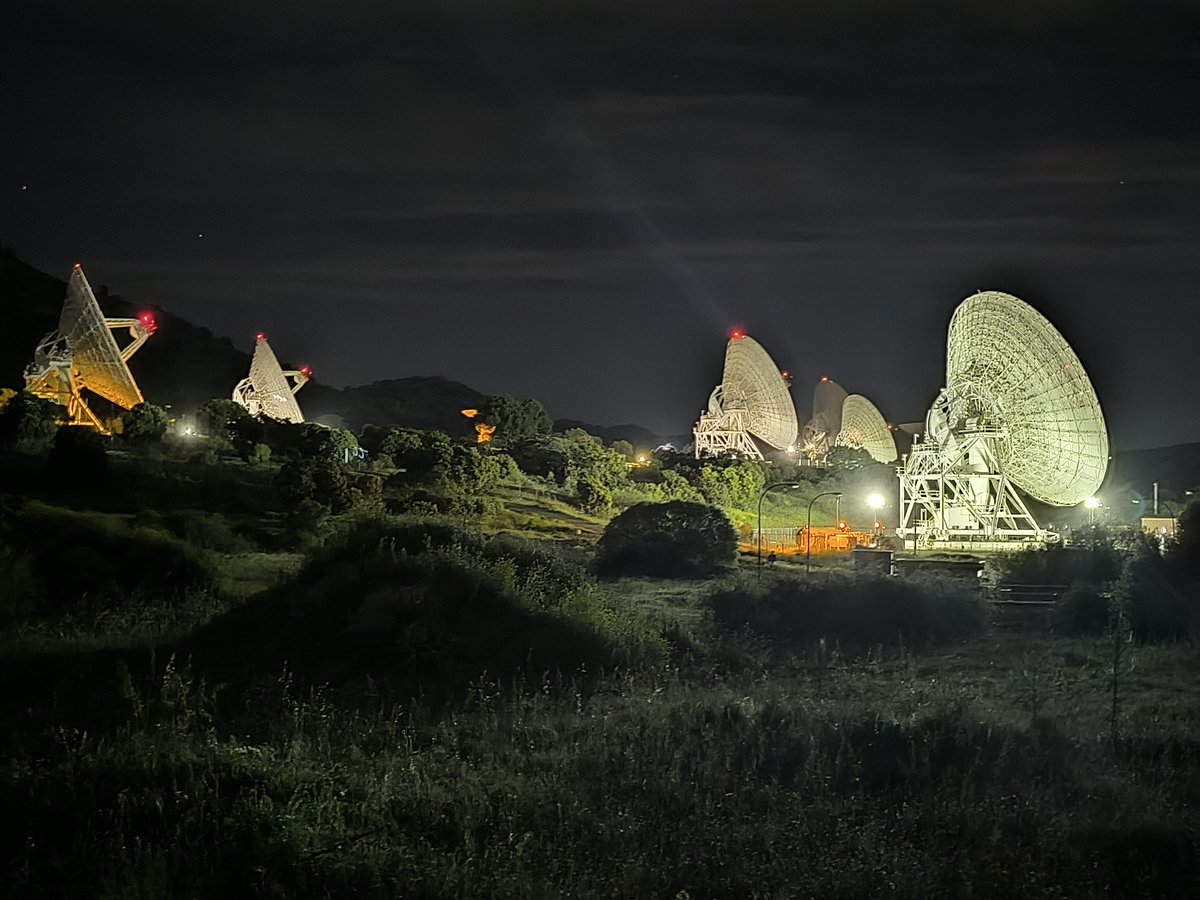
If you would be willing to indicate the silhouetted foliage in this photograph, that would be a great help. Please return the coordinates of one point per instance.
(226, 420)
(321, 480)
(320, 442)
(855, 610)
(144, 424)
(79, 454)
(1184, 552)
(674, 539)
(1082, 610)
(516, 420)
(29, 422)
(1161, 601)
(1094, 561)
(70, 558)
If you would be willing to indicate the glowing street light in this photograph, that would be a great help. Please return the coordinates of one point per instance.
(1092, 504)
(876, 502)
(769, 487)
(808, 528)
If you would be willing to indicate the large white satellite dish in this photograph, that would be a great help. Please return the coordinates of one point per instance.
(1018, 412)
(267, 390)
(864, 428)
(83, 355)
(752, 401)
(821, 431)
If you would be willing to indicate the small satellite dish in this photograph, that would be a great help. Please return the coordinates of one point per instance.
(267, 390)
(83, 355)
(1018, 412)
(864, 428)
(752, 401)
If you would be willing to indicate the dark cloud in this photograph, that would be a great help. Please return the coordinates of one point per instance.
(575, 200)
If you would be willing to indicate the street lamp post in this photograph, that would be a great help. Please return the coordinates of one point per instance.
(769, 487)
(808, 528)
(876, 502)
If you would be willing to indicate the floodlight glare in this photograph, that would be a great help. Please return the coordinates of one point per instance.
(876, 501)
(1092, 503)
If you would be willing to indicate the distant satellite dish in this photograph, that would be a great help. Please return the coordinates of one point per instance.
(864, 428)
(83, 355)
(267, 390)
(822, 429)
(752, 401)
(1018, 412)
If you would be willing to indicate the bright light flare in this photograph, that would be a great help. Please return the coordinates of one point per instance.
(876, 501)
(1092, 503)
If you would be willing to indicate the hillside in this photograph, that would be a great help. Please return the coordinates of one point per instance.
(184, 364)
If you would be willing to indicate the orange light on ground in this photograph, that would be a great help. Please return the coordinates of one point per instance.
(470, 413)
(483, 432)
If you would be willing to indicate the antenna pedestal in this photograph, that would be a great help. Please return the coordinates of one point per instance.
(956, 496)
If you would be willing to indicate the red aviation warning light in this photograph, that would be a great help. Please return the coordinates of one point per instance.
(146, 320)
(260, 337)
(824, 379)
(305, 371)
(77, 266)
(736, 334)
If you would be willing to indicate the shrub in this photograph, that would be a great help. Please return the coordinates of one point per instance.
(144, 424)
(29, 422)
(260, 455)
(854, 610)
(68, 558)
(1084, 609)
(78, 454)
(675, 539)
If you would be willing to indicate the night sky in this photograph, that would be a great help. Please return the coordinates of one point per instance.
(577, 201)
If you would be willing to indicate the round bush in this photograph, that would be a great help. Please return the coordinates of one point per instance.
(678, 539)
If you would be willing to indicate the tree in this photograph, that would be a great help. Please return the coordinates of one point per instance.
(322, 481)
(29, 422)
(225, 420)
(320, 442)
(590, 462)
(735, 485)
(516, 420)
(144, 424)
(674, 539)
(1184, 553)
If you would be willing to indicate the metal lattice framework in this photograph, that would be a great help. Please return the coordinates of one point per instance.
(864, 428)
(821, 431)
(83, 355)
(752, 401)
(267, 390)
(1018, 412)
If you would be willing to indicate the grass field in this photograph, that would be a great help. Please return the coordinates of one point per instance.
(416, 708)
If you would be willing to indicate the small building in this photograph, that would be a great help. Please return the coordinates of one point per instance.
(1162, 527)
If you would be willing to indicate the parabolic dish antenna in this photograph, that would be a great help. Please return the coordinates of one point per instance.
(1018, 411)
(822, 429)
(83, 355)
(864, 428)
(267, 390)
(751, 400)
